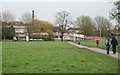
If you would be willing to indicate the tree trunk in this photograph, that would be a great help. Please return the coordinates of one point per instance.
(62, 36)
(4, 38)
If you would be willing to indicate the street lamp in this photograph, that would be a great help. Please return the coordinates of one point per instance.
(94, 32)
(100, 32)
(118, 34)
(108, 32)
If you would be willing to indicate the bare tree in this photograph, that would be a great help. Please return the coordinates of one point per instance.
(64, 21)
(0, 17)
(103, 25)
(26, 18)
(0, 26)
(7, 17)
(115, 14)
(86, 25)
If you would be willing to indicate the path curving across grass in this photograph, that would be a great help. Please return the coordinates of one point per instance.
(101, 45)
(54, 57)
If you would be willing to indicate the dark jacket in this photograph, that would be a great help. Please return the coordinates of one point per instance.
(114, 41)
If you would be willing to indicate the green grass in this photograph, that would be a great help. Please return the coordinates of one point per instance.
(93, 44)
(54, 57)
(0, 57)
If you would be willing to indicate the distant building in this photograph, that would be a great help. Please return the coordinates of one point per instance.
(72, 34)
(20, 30)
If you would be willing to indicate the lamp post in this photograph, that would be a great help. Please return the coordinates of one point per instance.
(108, 32)
(94, 31)
(100, 32)
(118, 34)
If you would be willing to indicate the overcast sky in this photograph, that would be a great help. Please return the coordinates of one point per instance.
(57, 0)
(46, 10)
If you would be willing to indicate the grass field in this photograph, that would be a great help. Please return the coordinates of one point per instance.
(0, 57)
(54, 57)
(101, 45)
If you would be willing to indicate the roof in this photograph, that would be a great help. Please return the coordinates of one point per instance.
(16, 23)
(73, 28)
(19, 23)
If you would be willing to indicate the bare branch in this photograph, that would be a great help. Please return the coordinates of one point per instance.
(7, 17)
(26, 18)
(64, 21)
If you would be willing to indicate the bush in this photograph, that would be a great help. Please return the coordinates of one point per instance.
(8, 32)
(48, 38)
(44, 37)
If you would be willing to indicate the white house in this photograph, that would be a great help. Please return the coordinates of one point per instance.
(21, 30)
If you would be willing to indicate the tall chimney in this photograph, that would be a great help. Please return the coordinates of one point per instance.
(33, 17)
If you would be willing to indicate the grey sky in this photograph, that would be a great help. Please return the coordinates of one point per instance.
(48, 10)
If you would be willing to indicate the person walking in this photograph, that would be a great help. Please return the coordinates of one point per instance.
(97, 41)
(114, 43)
(108, 44)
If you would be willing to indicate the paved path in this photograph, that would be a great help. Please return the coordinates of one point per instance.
(117, 55)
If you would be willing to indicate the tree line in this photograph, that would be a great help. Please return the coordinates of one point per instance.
(86, 25)
(99, 26)
(40, 26)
